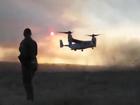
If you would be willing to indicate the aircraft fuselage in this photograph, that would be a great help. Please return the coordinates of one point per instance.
(83, 45)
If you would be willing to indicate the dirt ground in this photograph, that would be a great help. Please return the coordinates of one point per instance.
(72, 85)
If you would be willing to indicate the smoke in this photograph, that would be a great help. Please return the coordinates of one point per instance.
(110, 17)
(125, 53)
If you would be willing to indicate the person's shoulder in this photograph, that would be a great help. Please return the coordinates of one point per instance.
(23, 41)
(33, 41)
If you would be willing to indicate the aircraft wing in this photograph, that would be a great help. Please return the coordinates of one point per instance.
(76, 41)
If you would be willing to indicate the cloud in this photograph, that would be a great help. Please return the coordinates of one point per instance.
(18, 14)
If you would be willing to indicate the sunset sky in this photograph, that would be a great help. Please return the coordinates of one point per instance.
(117, 20)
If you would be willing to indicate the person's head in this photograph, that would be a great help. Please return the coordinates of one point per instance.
(27, 33)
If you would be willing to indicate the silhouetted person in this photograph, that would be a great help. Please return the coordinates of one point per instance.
(27, 57)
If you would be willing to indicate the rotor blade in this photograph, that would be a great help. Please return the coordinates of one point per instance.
(63, 32)
(94, 35)
(68, 32)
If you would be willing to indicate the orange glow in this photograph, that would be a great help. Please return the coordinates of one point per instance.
(8, 54)
(107, 52)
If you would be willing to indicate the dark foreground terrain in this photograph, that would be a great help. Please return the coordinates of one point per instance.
(72, 85)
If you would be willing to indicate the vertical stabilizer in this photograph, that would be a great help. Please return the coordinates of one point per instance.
(61, 43)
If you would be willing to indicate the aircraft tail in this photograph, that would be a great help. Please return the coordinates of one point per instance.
(61, 43)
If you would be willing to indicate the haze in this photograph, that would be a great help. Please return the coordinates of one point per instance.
(117, 20)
